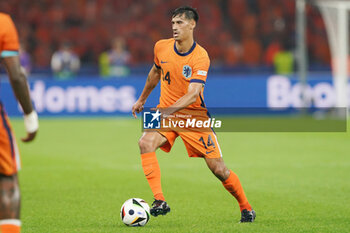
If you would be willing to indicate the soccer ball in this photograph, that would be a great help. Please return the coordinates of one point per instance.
(135, 212)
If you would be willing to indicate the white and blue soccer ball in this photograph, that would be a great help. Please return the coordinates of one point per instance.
(135, 212)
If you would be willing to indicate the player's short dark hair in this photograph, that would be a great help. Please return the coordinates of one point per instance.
(190, 13)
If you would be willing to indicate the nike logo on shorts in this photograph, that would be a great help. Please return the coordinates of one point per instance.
(208, 152)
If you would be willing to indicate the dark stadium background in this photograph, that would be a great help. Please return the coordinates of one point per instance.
(240, 35)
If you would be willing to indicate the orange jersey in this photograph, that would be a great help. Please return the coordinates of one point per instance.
(179, 70)
(8, 36)
(9, 155)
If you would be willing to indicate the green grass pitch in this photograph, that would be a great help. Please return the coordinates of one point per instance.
(78, 172)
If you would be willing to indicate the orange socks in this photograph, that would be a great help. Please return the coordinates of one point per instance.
(10, 226)
(152, 172)
(233, 185)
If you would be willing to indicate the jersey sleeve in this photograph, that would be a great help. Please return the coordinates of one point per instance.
(10, 44)
(200, 70)
(156, 60)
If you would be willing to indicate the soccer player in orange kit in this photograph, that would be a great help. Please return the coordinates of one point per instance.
(9, 155)
(182, 65)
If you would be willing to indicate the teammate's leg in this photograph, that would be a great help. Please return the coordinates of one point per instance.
(9, 204)
(9, 188)
(148, 143)
(232, 184)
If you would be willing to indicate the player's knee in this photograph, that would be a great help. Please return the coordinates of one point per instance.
(220, 172)
(9, 197)
(146, 145)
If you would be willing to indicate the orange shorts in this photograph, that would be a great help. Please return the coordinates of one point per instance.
(9, 154)
(198, 144)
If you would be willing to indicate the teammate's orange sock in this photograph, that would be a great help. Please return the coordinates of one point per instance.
(152, 172)
(10, 226)
(233, 185)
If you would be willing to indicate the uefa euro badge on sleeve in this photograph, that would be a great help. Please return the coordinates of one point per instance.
(151, 119)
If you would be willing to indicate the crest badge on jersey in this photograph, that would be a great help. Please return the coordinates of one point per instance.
(187, 71)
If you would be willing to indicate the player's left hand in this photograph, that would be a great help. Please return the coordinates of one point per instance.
(166, 112)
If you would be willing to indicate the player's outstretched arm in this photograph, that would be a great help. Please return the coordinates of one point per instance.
(20, 88)
(193, 91)
(152, 81)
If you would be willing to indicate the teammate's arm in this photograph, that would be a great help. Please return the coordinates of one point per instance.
(193, 91)
(20, 88)
(152, 81)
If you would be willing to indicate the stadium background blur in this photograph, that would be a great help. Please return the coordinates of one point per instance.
(240, 35)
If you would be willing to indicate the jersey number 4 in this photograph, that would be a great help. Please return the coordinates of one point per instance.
(166, 77)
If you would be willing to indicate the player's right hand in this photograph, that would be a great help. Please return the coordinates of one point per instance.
(31, 124)
(137, 108)
(30, 137)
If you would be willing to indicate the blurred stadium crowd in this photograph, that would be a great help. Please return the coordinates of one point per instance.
(235, 32)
